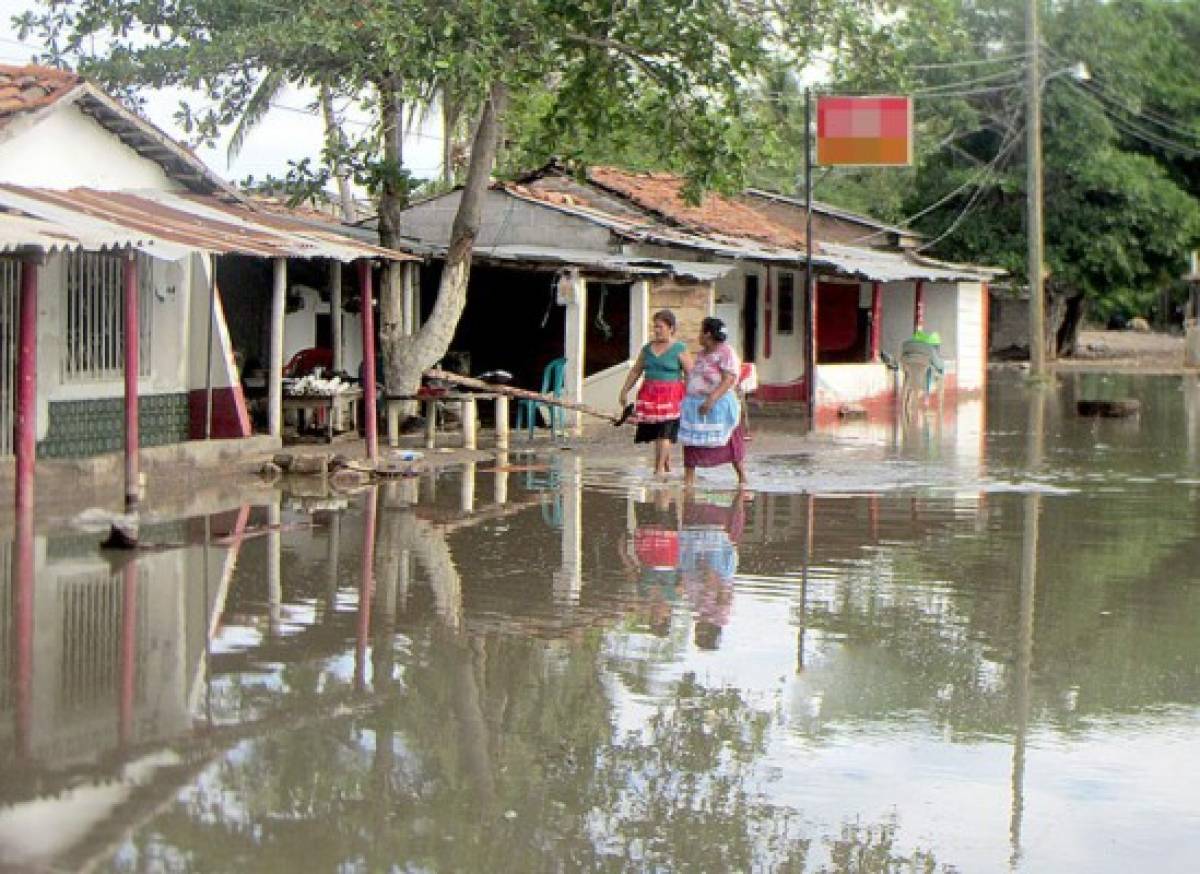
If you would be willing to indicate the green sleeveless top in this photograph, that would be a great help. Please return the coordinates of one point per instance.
(665, 367)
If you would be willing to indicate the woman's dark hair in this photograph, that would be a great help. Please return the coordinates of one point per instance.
(666, 317)
(715, 328)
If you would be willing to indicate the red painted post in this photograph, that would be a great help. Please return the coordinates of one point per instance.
(22, 619)
(129, 607)
(132, 339)
(26, 419)
(919, 305)
(368, 342)
(876, 318)
(366, 588)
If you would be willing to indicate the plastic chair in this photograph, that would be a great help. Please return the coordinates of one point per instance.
(553, 378)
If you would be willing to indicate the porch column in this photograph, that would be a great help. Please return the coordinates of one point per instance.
(370, 423)
(22, 630)
(639, 316)
(876, 318)
(132, 340)
(335, 311)
(568, 579)
(366, 586)
(572, 291)
(129, 641)
(275, 364)
(25, 442)
(919, 305)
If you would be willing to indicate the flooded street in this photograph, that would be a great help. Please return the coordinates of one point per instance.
(971, 645)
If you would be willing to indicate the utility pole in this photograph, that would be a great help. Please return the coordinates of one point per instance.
(1033, 196)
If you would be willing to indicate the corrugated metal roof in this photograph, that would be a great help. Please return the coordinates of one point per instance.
(19, 232)
(591, 259)
(878, 266)
(170, 225)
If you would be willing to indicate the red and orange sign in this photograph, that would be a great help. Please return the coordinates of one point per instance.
(864, 131)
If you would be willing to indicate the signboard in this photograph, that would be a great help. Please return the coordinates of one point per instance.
(864, 131)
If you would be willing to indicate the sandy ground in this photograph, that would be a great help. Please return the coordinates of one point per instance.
(1127, 350)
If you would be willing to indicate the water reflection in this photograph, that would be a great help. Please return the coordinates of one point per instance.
(543, 672)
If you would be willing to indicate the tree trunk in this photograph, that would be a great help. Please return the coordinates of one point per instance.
(335, 143)
(405, 358)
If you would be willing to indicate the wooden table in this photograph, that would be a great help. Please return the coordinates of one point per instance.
(470, 417)
(336, 407)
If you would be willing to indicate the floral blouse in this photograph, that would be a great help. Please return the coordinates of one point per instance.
(710, 367)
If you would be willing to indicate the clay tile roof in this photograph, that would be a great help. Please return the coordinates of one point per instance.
(23, 89)
(661, 193)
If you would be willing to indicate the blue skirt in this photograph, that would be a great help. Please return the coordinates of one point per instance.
(712, 430)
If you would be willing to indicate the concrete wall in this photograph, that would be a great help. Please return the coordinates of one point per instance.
(506, 220)
(46, 153)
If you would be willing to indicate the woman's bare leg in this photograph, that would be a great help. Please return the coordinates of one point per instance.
(662, 457)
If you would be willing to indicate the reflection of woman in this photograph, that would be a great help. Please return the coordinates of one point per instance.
(651, 557)
(710, 423)
(708, 561)
(663, 361)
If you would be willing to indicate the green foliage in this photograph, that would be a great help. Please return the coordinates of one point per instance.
(671, 67)
(1121, 151)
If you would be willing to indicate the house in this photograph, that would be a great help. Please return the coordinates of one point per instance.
(98, 207)
(872, 287)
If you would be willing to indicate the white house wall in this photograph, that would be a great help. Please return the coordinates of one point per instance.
(941, 315)
(300, 329)
(67, 149)
(972, 355)
(898, 302)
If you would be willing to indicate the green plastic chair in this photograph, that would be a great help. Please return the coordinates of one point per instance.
(553, 378)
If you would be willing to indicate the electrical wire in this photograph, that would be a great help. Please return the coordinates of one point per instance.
(1137, 132)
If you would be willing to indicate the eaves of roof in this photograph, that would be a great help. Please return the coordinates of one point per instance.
(170, 225)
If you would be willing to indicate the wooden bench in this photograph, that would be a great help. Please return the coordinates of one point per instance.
(470, 418)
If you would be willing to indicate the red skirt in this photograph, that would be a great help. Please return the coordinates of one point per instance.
(712, 456)
(656, 547)
(659, 401)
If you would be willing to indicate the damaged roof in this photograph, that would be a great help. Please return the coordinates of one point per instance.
(590, 259)
(167, 225)
(649, 208)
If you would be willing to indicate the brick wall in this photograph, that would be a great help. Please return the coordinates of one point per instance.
(691, 303)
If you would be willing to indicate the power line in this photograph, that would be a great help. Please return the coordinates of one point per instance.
(1137, 132)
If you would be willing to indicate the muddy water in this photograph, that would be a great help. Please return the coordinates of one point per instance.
(969, 644)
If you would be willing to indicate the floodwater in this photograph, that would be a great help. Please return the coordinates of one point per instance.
(972, 644)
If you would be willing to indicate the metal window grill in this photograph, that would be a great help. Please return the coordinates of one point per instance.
(94, 335)
(10, 298)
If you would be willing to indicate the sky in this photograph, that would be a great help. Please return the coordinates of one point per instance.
(291, 131)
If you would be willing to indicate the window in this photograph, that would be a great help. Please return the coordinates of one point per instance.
(94, 329)
(786, 321)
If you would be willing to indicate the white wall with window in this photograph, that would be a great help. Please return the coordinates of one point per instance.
(81, 329)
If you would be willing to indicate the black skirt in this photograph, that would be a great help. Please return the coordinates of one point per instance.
(648, 432)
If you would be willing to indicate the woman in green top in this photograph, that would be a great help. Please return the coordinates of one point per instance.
(663, 362)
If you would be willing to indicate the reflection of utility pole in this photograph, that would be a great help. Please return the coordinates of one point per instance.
(808, 539)
(129, 611)
(1024, 654)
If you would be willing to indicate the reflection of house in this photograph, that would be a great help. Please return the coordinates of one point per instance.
(868, 299)
(85, 182)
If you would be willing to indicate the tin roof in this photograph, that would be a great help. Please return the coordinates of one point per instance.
(170, 225)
